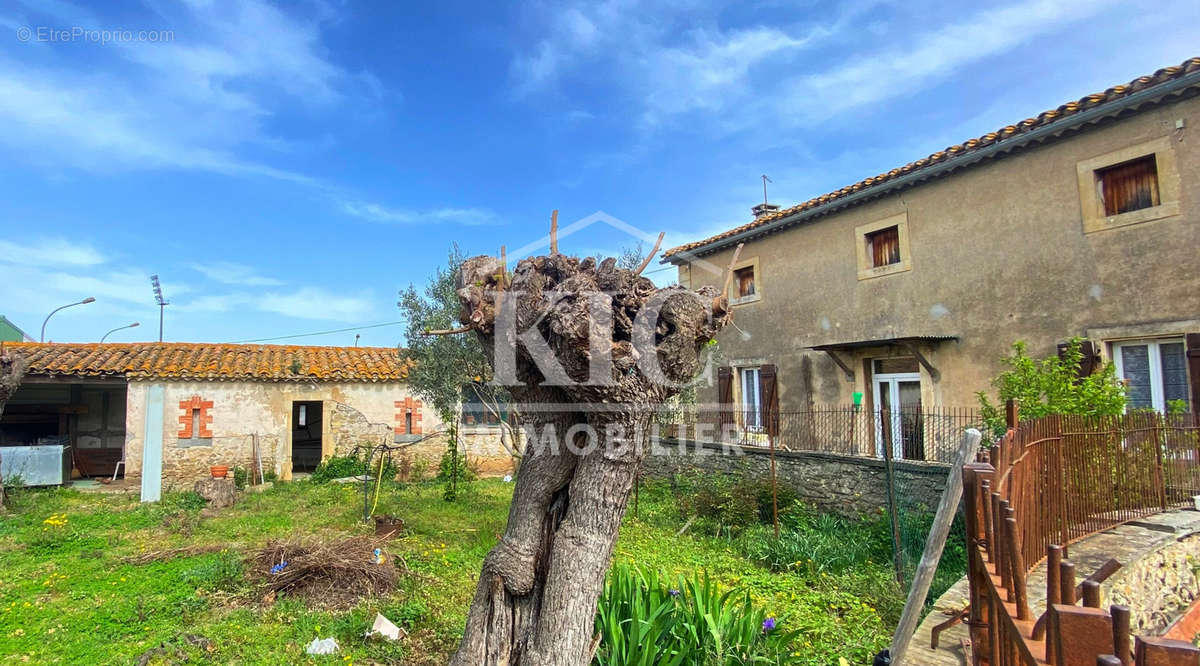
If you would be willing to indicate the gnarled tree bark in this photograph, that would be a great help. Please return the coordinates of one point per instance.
(537, 592)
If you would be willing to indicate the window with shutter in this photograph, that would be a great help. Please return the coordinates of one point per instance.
(883, 247)
(1155, 372)
(1128, 186)
(751, 398)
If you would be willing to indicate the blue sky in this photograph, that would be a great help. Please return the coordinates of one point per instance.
(287, 168)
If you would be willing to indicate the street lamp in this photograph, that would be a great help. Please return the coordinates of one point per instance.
(85, 301)
(119, 328)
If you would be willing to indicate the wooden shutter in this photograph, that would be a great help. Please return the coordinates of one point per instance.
(770, 399)
(884, 246)
(1129, 186)
(724, 395)
(1091, 356)
(1193, 367)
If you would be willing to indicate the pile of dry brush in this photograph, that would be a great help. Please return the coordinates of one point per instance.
(329, 574)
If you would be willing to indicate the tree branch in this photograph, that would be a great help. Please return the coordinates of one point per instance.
(554, 232)
(721, 303)
(448, 331)
(653, 251)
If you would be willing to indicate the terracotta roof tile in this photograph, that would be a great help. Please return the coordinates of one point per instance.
(1045, 118)
(187, 360)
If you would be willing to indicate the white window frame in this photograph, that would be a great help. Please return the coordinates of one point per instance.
(1153, 358)
(890, 381)
(743, 374)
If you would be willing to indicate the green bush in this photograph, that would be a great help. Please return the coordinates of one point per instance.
(644, 619)
(446, 467)
(340, 467)
(724, 503)
(1052, 386)
(220, 571)
(240, 477)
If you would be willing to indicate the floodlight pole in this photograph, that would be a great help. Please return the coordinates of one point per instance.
(162, 304)
(85, 301)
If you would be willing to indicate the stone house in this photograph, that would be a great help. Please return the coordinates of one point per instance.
(169, 411)
(904, 290)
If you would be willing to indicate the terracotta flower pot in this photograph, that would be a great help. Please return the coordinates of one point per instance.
(219, 471)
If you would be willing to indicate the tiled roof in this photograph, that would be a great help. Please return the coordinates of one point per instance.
(205, 361)
(1043, 119)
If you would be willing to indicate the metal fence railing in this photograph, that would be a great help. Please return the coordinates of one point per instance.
(922, 434)
(1051, 482)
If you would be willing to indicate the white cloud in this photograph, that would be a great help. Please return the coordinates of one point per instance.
(304, 303)
(374, 212)
(928, 57)
(194, 102)
(50, 252)
(227, 272)
(677, 59)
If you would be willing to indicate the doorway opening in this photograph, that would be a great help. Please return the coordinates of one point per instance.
(899, 423)
(306, 435)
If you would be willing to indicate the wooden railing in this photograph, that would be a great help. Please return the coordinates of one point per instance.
(1047, 484)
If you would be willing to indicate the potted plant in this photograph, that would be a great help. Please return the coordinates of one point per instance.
(219, 471)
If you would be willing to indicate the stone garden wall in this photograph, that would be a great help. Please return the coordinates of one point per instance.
(840, 484)
(1158, 587)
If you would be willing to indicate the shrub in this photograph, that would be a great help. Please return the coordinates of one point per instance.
(644, 619)
(240, 477)
(340, 467)
(1052, 386)
(729, 503)
(220, 571)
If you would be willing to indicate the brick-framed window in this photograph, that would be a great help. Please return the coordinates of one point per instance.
(195, 420)
(408, 417)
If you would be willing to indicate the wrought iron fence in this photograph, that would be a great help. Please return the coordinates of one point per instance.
(926, 434)
(1051, 482)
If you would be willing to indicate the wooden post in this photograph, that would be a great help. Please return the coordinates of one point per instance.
(774, 486)
(1012, 413)
(976, 499)
(890, 476)
(947, 508)
(1120, 624)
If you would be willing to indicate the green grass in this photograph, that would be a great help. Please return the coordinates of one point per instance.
(66, 595)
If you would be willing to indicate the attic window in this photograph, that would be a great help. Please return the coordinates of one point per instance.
(745, 281)
(1128, 186)
(883, 247)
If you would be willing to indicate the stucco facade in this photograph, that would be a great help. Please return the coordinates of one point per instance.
(1004, 249)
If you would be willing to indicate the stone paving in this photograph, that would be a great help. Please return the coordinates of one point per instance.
(1125, 543)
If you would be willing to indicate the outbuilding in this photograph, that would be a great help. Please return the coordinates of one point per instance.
(162, 414)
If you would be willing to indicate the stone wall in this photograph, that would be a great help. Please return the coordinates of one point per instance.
(1158, 587)
(234, 412)
(840, 484)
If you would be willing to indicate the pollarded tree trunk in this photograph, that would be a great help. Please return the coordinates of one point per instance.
(589, 351)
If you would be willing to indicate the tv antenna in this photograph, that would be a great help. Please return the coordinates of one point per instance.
(162, 303)
(765, 181)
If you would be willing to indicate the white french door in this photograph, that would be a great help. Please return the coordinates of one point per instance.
(898, 422)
